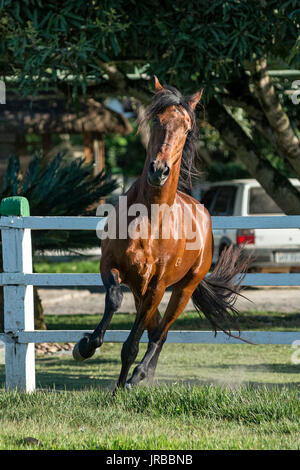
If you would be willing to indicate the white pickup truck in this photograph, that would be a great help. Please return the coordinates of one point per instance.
(274, 249)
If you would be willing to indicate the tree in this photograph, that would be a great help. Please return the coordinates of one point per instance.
(114, 47)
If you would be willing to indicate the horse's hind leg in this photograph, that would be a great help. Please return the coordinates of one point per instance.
(155, 321)
(87, 346)
(179, 298)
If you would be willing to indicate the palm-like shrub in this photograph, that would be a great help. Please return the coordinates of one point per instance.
(61, 188)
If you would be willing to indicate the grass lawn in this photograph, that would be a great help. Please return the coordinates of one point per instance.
(76, 266)
(205, 396)
(166, 417)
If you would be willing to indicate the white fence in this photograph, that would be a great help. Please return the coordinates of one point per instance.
(19, 334)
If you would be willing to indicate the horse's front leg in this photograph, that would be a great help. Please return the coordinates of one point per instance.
(87, 346)
(146, 308)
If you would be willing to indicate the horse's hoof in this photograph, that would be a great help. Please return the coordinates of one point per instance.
(76, 354)
(81, 351)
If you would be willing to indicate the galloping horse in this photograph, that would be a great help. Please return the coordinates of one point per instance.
(150, 262)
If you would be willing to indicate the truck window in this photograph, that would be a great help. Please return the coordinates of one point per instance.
(224, 203)
(261, 203)
(208, 198)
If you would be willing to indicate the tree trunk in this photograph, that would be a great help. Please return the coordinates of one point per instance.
(258, 120)
(286, 141)
(88, 146)
(279, 188)
(99, 153)
(39, 320)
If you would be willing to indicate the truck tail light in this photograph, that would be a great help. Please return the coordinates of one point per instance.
(245, 236)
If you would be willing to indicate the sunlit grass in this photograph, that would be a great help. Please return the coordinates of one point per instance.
(76, 266)
(168, 417)
(205, 396)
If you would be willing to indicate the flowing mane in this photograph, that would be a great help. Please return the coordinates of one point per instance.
(170, 96)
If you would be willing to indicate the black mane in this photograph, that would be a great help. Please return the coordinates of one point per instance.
(170, 96)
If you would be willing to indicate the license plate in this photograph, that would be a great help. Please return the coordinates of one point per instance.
(287, 257)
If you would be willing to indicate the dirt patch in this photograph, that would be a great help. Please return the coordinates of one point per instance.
(70, 301)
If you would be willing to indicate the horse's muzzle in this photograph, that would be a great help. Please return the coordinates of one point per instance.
(158, 173)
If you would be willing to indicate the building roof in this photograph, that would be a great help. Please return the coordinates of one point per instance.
(46, 116)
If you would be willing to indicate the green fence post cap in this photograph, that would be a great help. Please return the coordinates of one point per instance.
(15, 205)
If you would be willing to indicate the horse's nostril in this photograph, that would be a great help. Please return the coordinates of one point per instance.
(151, 167)
(166, 170)
(158, 172)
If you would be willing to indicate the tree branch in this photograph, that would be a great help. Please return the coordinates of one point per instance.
(286, 196)
(258, 119)
(286, 140)
(108, 88)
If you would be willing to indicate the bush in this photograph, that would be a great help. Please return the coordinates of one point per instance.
(61, 188)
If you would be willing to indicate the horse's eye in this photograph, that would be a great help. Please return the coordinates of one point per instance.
(156, 121)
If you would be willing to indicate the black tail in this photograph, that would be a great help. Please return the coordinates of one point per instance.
(216, 295)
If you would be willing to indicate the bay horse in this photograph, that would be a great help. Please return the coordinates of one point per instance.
(149, 264)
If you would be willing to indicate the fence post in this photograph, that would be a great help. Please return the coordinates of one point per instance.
(18, 299)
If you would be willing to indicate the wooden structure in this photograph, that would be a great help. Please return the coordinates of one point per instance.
(46, 117)
(19, 334)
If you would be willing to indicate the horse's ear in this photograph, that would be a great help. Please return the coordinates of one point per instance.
(194, 99)
(158, 86)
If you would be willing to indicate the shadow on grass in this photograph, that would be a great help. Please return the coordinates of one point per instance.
(77, 380)
(97, 360)
(70, 382)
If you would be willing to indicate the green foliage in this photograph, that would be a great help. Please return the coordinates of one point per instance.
(47, 44)
(219, 171)
(125, 153)
(61, 188)
(49, 41)
(114, 47)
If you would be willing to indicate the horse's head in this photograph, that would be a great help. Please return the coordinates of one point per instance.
(173, 122)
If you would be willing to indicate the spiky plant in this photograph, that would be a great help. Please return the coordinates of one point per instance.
(61, 188)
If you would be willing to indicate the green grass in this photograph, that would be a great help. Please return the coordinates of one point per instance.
(77, 266)
(172, 417)
(205, 396)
